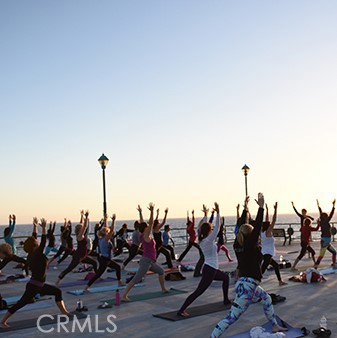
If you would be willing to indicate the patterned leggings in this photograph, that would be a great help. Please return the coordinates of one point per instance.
(247, 291)
(326, 245)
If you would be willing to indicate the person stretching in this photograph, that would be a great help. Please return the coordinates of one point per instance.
(51, 239)
(221, 241)
(158, 237)
(306, 230)
(81, 253)
(148, 260)
(6, 255)
(167, 237)
(8, 233)
(105, 246)
(247, 287)
(210, 271)
(324, 223)
(37, 263)
(268, 245)
(135, 246)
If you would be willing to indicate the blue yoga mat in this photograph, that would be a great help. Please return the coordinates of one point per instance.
(85, 282)
(100, 289)
(292, 332)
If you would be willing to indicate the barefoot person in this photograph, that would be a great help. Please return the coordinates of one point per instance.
(268, 245)
(8, 233)
(105, 246)
(80, 255)
(306, 230)
(148, 260)
(210, 271)
(7, 256)
(247, 287)
(324, 223)
(37, 263)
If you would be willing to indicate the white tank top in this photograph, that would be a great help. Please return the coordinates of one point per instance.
(268, 246)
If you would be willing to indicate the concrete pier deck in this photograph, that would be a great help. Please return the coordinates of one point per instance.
(304, 306)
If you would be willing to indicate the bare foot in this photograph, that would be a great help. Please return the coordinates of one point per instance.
(57, 283)
(86, 290)
(183, 314)
(126, 299)
(121, 283)
(280, 283)
(165, 291)
(278, 328)
(69, 314)
(4, 325)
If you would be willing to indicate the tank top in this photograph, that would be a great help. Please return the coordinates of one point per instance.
(82, 248)
(268, 244)
(149, 248)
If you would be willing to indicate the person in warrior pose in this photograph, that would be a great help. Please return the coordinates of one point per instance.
(37, 262)
(247, 287)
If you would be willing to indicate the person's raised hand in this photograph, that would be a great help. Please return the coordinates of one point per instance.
(43, 223)
(333, 203)
(275, 205)
(260, 200)
(151, 206)
(166, 210)
(139, 208)
(216, 207)
(35, 221)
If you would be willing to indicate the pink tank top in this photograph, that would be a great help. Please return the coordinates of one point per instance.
(149, 248)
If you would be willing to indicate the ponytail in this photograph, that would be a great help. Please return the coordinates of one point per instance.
(241, 238)
(204, 231)
(244, 231)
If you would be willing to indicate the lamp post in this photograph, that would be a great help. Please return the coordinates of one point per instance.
(103, 161)
(245, 170)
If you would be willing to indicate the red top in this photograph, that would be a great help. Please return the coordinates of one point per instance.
(191, 232)
(306, 232)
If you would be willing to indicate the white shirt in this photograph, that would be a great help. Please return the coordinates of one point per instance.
(209, 247)
(268, 244)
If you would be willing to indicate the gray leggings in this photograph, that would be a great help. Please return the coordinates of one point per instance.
(146, 264)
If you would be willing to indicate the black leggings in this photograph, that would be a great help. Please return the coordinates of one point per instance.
(67, 252)
(31, 291)
(170, 248)
(105, 262)
(189, 246)
(304, 247)
(77, 259)
(120, 245)
(268, 260)
(167, 254)
(134, 251)
(208, 275)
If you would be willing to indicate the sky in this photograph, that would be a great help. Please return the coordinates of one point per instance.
(178, 94)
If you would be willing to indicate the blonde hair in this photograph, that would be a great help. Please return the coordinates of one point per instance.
(78, 228)
(244, 231)
(103, 232)
(6, 249)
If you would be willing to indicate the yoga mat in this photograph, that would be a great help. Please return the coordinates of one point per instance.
(292, 332)
(99, 289)
(32, 306)
(133, 271)
(32, 323)
(327, 271)
(85, 282)
(151, 295)
(194, 311)
(14, 299)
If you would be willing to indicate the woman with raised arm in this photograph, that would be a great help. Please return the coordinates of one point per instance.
(268, 245)
(148, 260)
(51, 239)
(37, 263)
(306, 230)
(167, 238)
(210, 271)
(303, 215)
(80, 255)
(105, 246)
(122, 239)
(247, 287)
(8, 233)
(221, 241)
(324, 223)
(158, 237)
(135, 246)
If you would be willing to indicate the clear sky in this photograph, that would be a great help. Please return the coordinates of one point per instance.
(178, 94)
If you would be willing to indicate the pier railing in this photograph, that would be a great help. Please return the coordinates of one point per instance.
(180, 236)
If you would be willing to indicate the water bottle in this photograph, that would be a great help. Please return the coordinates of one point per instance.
(118, 298)
(323, 323)
(79, 305)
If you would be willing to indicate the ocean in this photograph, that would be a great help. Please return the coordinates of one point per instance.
(178, 226)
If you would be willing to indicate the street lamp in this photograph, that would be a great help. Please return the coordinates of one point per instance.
(245, 170)
(103, 161)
